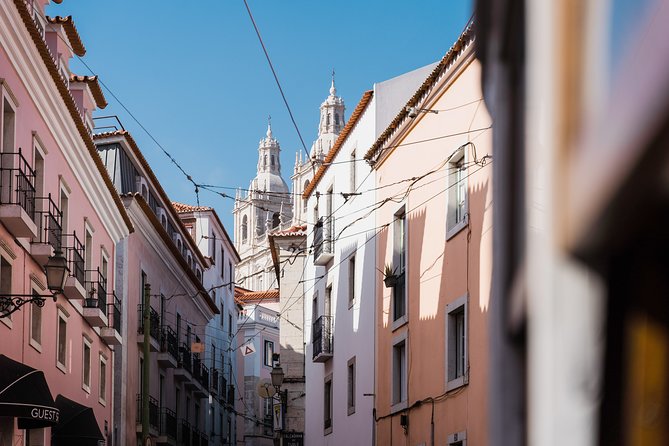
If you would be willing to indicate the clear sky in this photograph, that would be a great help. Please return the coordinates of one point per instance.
(193, 73)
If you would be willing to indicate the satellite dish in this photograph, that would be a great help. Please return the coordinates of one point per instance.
(265, 389)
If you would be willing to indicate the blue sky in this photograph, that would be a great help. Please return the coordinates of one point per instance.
(193, 73)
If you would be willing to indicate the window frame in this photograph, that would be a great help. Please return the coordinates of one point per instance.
(400, 215)
(399, 402)
(455, 307)
(457, 439)
(267, 342)
(61, 314)
(351, 280)
(102, 380)
(36, 343)
(328, 396)
(86, 343)
(351, 375)
(454, 222)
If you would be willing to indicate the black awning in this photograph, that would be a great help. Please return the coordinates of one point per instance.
(77, 427)
(24, 394)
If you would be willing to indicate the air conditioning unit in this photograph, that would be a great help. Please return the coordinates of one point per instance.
(162, 216)
(142, 187)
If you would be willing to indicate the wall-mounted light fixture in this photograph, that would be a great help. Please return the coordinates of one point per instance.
(413, 111)
(56, 273)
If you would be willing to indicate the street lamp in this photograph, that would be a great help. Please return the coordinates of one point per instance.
(277, 377)
(56, 273)
(277, 380)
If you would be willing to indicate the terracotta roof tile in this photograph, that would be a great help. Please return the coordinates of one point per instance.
(291, 232)
(246, 296)
(65, 94)
(463, 41)
(350, 124)
(182, 208)
(94, 85)
(71, 31)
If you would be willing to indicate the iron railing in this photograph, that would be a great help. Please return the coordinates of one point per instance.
(75, 255)
(154, 329)
(197, 368)
(214, 380)
(224, 387)
(168, 342)
(154, 411)
(185, 358)
(17, 182)
(168, 423)
(114, 313)
(185, 437)
(49, 220)
(96, 288)
(322, 336)
(204, 376)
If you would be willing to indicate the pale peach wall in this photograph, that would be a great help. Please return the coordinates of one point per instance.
(439, 271)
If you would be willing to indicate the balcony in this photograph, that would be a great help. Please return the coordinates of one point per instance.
(17, 195)
(196, 383)
(49, 230)
(111, 334)
(184, 433)
(184, 369)
(95, 305)
(168, 427)
(154, 329)
(75, 286)
(214, 382)
(169, 348)
(202, 379)
(322, 339)
(199, 438)
(154, 415)
(323, 245)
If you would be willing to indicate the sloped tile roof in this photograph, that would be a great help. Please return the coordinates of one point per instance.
(246, 296)
(182, 208)
(71, 31)
(94, 85)
(293, 231)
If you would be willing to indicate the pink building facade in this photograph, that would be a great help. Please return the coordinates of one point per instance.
(434, 260)
(56, 196)
(160, 253)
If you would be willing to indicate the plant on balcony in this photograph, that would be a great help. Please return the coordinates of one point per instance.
(389, 276)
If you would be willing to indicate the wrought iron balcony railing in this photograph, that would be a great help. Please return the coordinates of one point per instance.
(17, 182)
(185, 358)
(197, 368)
(114, 313)
(168, 342)
(322, 337)
(75, 256)
(185, 436)
(96, 288)
(323, 240)
(154, 328)
(214, 380)
(168, 423)
(204, 376)
(154, 412)
(49, 220)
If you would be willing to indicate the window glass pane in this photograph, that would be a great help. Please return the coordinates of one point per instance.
(36, 323)
(62, 340)
(87, 365)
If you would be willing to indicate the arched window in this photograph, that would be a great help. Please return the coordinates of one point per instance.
(272, 160)
(336, 118)
(265, 162)
(327, 120)
(245, 228)
(276, 220)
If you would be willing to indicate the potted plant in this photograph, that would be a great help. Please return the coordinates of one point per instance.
(389, 276)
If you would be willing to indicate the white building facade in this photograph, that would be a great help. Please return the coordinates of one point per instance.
(340, 275)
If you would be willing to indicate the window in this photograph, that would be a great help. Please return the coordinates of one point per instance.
(88, 252)
(212, 246)
(268, 415)
(103, 380)
(353, 179)
(327, 405)
(230, 279)
(61, 336)
(86, 372)
(314, 308)
(6, 283)
(272, 160)
(456, 343)
(304, 200)
(229, 325)
(329, 223)
(222, 315)
(35, 324)
(8, 126)
(457, 192)
(245, 229)
(268, 352)
(351, 280)
(351, 386)
(399, 374)
(276, 220)
(458, 439)
(222, 264)
(399, 267)
(64, 209)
